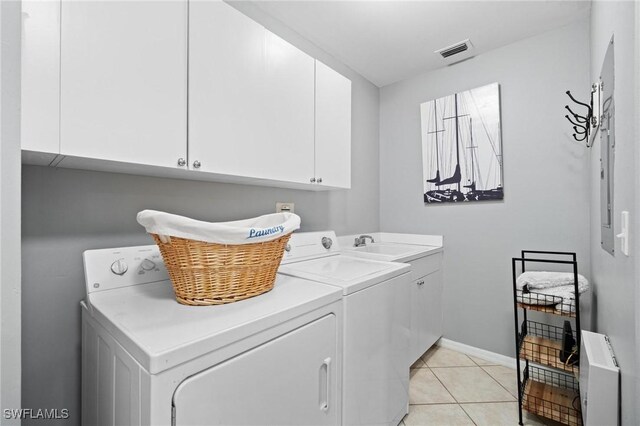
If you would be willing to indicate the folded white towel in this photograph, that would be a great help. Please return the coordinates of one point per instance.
(563, 297)
(568, 296)
(535, 280)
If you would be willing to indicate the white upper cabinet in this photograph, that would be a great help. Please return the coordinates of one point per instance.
(289, 110)
(250, 98)
(40, 76)
(333, 128)
(226, 51)
(193, 90)
(124, 81)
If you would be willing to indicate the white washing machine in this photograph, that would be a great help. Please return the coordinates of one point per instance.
(375, 378)
(147, 360)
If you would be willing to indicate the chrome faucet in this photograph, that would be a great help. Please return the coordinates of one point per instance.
(362, 240)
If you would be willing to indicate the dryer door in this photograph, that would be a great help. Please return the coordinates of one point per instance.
(291, 380)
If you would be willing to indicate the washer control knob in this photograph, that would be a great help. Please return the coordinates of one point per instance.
(119, 267)
(327, 242)
(148, 265)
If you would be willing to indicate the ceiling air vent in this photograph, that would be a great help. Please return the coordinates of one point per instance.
(455, 49)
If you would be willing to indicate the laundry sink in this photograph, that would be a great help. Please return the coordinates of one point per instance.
(392, 247)
(390, 252)
(387, 249)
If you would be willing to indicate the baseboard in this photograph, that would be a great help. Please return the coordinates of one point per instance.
(499, 359)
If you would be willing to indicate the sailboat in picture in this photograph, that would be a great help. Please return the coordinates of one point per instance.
(459, 166)
(436, 179)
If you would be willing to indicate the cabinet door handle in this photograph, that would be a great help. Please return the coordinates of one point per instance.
(319, 180)
(312, 180)
(420, 282)
(325, 384)
(182, 162)
(196, 164)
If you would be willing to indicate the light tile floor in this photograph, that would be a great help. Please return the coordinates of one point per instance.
(448, 388)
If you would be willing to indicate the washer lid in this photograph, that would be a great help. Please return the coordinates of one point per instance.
(350, 273)
(161, 333)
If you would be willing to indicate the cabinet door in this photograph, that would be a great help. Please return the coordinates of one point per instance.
(417, 318)
(250, 98)
(333, 127)
(432, 321)
(40, 113)
(291, 380)
(289, 110)
(426, 313)
(226, 58)
(124, 80)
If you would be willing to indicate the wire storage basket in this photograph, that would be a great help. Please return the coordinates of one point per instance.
(552, 395)
(543, 344)
(231, 269)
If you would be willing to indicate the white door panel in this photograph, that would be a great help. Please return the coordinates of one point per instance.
(291, 380)
(226, 66)
(123, 80)
(426, 313)
(376, 347)
(417, 319)
(432, 325)
(333, 127)
(40, 109)
(251, 98)
(289, 111)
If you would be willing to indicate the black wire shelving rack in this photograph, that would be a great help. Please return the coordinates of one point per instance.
(547, 384)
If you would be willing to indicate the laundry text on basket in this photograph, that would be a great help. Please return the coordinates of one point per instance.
(253, 233)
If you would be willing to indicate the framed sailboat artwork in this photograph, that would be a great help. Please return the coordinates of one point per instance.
(462, 147)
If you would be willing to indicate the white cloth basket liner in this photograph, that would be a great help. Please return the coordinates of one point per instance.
(248, 231)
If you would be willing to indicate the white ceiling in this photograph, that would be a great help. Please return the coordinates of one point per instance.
(388, 41)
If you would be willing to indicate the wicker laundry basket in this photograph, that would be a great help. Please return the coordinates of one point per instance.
(211, 273)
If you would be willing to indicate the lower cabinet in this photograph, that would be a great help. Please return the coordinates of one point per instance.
(426, 313)
(291, 380)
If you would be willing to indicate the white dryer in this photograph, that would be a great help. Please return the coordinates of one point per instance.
(375, 378)
(147, 360)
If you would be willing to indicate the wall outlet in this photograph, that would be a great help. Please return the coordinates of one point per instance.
(284, 207)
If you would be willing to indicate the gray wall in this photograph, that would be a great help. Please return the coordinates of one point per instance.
(635, 223)
(68, 211)
(614, 275)
(10, 207)
(546, 204)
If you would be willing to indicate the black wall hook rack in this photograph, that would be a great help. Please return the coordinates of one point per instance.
(582, 124)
